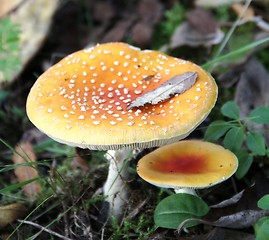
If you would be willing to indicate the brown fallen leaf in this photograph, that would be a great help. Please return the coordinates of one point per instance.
(239, 220)
(8, 6)
(238, 8)
(187, 35)
(241, 210)
(150, 11)
(11, 212)
(24, 153)
(118, 32)
(252, 92)
(203, 21)
(141, 34)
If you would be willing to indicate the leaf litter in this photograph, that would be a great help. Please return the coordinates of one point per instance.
(24, 154)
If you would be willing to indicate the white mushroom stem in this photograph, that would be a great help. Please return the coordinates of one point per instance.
(115, 185)
(186, 190)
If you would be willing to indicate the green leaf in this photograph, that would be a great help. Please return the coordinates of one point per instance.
(3, 95)
(173, 210)
(245, 161)
(234, 138)
(216, 130)
(9, 49)
(256, 143)
(230, 109)
(262, 229)
(263, 203)
(260, 115)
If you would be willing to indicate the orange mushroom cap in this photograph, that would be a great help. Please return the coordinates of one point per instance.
(187, 164)
(82, 100)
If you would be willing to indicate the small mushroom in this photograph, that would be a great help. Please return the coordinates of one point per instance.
(187, 165)
(83, 101)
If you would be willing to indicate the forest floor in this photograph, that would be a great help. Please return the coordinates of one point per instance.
(53, 191)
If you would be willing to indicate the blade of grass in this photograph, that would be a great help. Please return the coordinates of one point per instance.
(38, 206)
(17, 185)
(6, 168)
(14, 151)
(207, 65)
(230, 32)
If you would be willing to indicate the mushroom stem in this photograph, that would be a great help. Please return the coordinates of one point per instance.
(186, 190)
(115, 185)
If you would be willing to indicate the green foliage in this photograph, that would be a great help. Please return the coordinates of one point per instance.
(173, 210)
(262, 229)
(15, 186)
(256, 143)
(3, 95)
(237, 131)
(172, 18)
(242, 36)
(245, 161)
(9, 48)
(263, 203)
(262, 226)
(260, 115)
(230, 110)
(139, 228)
(234, 133)
(223, 13)
(216, 130)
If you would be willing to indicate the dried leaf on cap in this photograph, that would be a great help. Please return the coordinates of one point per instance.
(176, 85)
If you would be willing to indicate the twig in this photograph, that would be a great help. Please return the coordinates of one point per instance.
(44, 229)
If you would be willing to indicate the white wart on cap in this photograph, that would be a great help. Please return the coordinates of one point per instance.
(82, 100)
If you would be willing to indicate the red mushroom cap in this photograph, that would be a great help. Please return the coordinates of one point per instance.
(82, 100)
(188, 164)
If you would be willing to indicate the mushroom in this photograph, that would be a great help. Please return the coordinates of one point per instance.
(83, 101)
(187, 165)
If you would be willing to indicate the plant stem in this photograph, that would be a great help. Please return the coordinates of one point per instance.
(186, 190)
(115, 185)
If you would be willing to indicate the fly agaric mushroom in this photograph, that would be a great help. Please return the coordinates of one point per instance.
(187, 165)
(83, 101)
